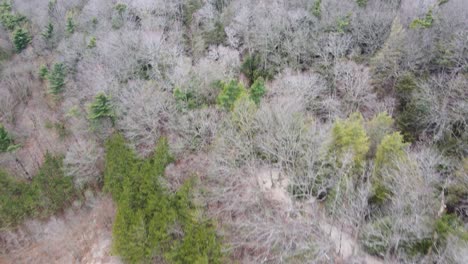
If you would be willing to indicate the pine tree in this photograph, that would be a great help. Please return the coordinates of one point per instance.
(21, 39)
(70, 24)
(101, 107)
(230, 93)
(317, 8)
(92, 43)
(350, 135)
(257, 90)
(43, 72)
(48, 32)
(57, 79)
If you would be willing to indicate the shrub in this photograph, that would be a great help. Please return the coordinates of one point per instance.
(5, 139)
(217, 35)
(449, 224)
(8, 19)
(48, 32)
(101, 108)
(56, 79)
(48, 192)
(21, 39)
(343, 24)
(118, 18)
(253, 68)
(92, 43)
(70, 25)
(425, 22)
(43, 72)
(186, 100)
(317, 8)
(375, 236)
(230, 92)
(361, 3)
(257, 90)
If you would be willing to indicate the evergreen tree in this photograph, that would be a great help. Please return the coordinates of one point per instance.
(48, 32)
(70, 24)
(390, 152)
(119, 162)
(92, 43)
(257, 90)
(317, 8)
(361, 3)
(21, 39)
(231, 91)
(43, 72)
(350, 135)
(101, 107)
(56, 79)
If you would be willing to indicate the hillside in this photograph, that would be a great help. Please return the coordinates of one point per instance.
(234, 131)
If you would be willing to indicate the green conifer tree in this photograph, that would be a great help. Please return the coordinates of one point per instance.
(21, 39)
(101, 108)
(56, 79)
(48, 32)
(43, 72)
(257, 90)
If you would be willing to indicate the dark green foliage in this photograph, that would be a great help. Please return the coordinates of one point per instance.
(119, 159)
(185, 100)
(57, 79)
(257, 90)
(188, 9)
(441, 2)
(48, 192)
(253, 68)
(150, 220)
(405, 87)
(48, 32)
(425, 22)
(199, 245)
(5, 139)
(343, 24)
(454, 141)
(43, 72)
(92, 43)
(375, 236)
(118, 17)
(317, 8)
(21, 39)
(449, 224)
(9, 19)
(70, 25)
(101, 108)
(418, 247)
(411, 120)
(230, 92)
(411, 109)
(217, 35)
(59, 128)
(361, 3)
(120, 8)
